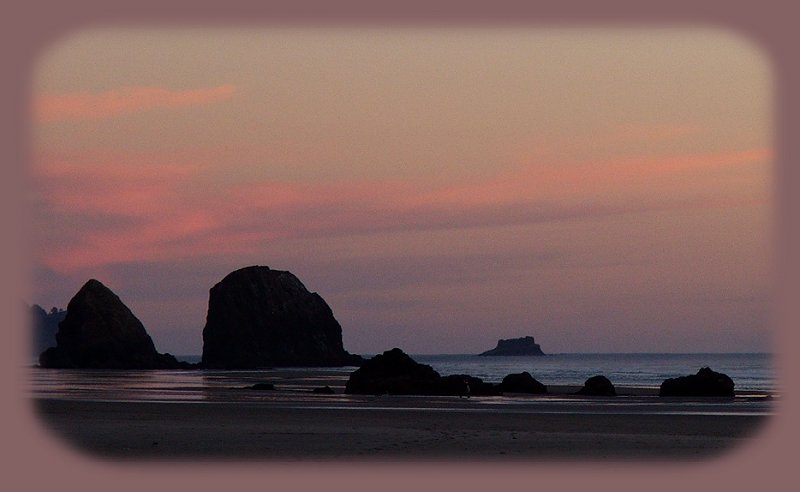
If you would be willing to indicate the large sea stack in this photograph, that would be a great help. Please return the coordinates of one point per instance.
(259, 317)
(100, 332)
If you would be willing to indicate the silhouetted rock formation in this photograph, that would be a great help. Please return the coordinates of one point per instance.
(100, 332)
(324, 390)
(598, 386)
(261, 317)
(395, 373)
(522, 383)
(705, 383)
(516, 346)
(392, 372)
(45, 327)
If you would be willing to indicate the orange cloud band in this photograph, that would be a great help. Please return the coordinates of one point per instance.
(117, 102)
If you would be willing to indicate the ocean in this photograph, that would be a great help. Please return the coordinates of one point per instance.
(750, 373)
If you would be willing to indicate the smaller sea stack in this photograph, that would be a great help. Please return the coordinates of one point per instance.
(100, 332)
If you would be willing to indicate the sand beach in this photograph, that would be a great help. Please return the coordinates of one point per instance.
(292, 423)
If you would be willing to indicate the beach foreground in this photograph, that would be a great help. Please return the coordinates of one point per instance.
(292, 425)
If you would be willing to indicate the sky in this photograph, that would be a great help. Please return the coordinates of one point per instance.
(603, 190)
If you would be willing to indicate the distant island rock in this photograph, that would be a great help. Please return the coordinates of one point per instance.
(515, 346)
(259, 317)
(45, 327)
(100, 332)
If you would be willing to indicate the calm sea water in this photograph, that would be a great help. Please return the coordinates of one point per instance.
(753, 371)
(750, 372)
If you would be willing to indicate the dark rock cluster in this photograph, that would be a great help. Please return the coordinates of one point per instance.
(392, 372)
(395, 373)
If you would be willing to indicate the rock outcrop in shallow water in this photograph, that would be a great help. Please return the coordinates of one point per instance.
(522, 383)
(705, 383)
(259, 317)
(395, 373)
(392, 372)
(100, 332)
(598, 386)
(516, 346)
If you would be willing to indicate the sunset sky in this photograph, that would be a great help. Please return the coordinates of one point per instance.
(601, 190)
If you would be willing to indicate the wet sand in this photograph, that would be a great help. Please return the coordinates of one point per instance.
(295, 425)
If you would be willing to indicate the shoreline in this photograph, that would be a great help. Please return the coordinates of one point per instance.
(289, 381)
(217, 417)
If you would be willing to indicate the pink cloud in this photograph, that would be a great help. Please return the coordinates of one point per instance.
(652, 133)
(598, 180)
(116, 102)
(179, 214)
(276, 195)
(154, 192)
(527, 194)
(111, 186)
